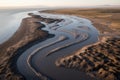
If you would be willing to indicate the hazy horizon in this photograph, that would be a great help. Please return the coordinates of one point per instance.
(56, 3)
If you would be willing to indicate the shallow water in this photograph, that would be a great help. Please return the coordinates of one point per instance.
(35, 60)
(10, 20)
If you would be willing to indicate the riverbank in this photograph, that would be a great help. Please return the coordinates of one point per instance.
(101, 59)
(39, 58)
(29, 33)
(106, 20)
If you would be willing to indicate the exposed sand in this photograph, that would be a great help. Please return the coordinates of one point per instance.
(101, 59)
(36, 59)
(27, 35)
(106, 20)
(104, 64)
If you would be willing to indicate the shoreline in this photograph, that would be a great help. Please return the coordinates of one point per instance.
(76, 35)
(103, 21)
(28, 34)
(13, 48)
(95, 60)
(109, 36)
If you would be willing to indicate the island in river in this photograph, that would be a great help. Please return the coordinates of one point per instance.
(99, 60)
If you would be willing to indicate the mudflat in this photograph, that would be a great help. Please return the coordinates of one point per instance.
(29, 33)
(106, 20)
(101, 59)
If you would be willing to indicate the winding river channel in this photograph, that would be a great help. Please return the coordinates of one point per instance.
(71, 34)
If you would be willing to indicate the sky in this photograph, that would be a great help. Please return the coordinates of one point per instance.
(57, 3)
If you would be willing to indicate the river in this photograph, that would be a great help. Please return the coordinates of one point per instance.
(71, 34)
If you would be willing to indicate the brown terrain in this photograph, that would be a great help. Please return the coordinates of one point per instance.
(107, 21)
(28, 34)
(102, 59)
(99, 60)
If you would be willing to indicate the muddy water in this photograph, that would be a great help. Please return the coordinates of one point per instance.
(70, 35)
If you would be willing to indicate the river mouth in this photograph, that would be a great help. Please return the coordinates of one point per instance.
(71, 34)
(10, 20)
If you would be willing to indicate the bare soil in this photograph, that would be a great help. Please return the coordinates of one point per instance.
(28, 34)
(106, 20)
(102, 59)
